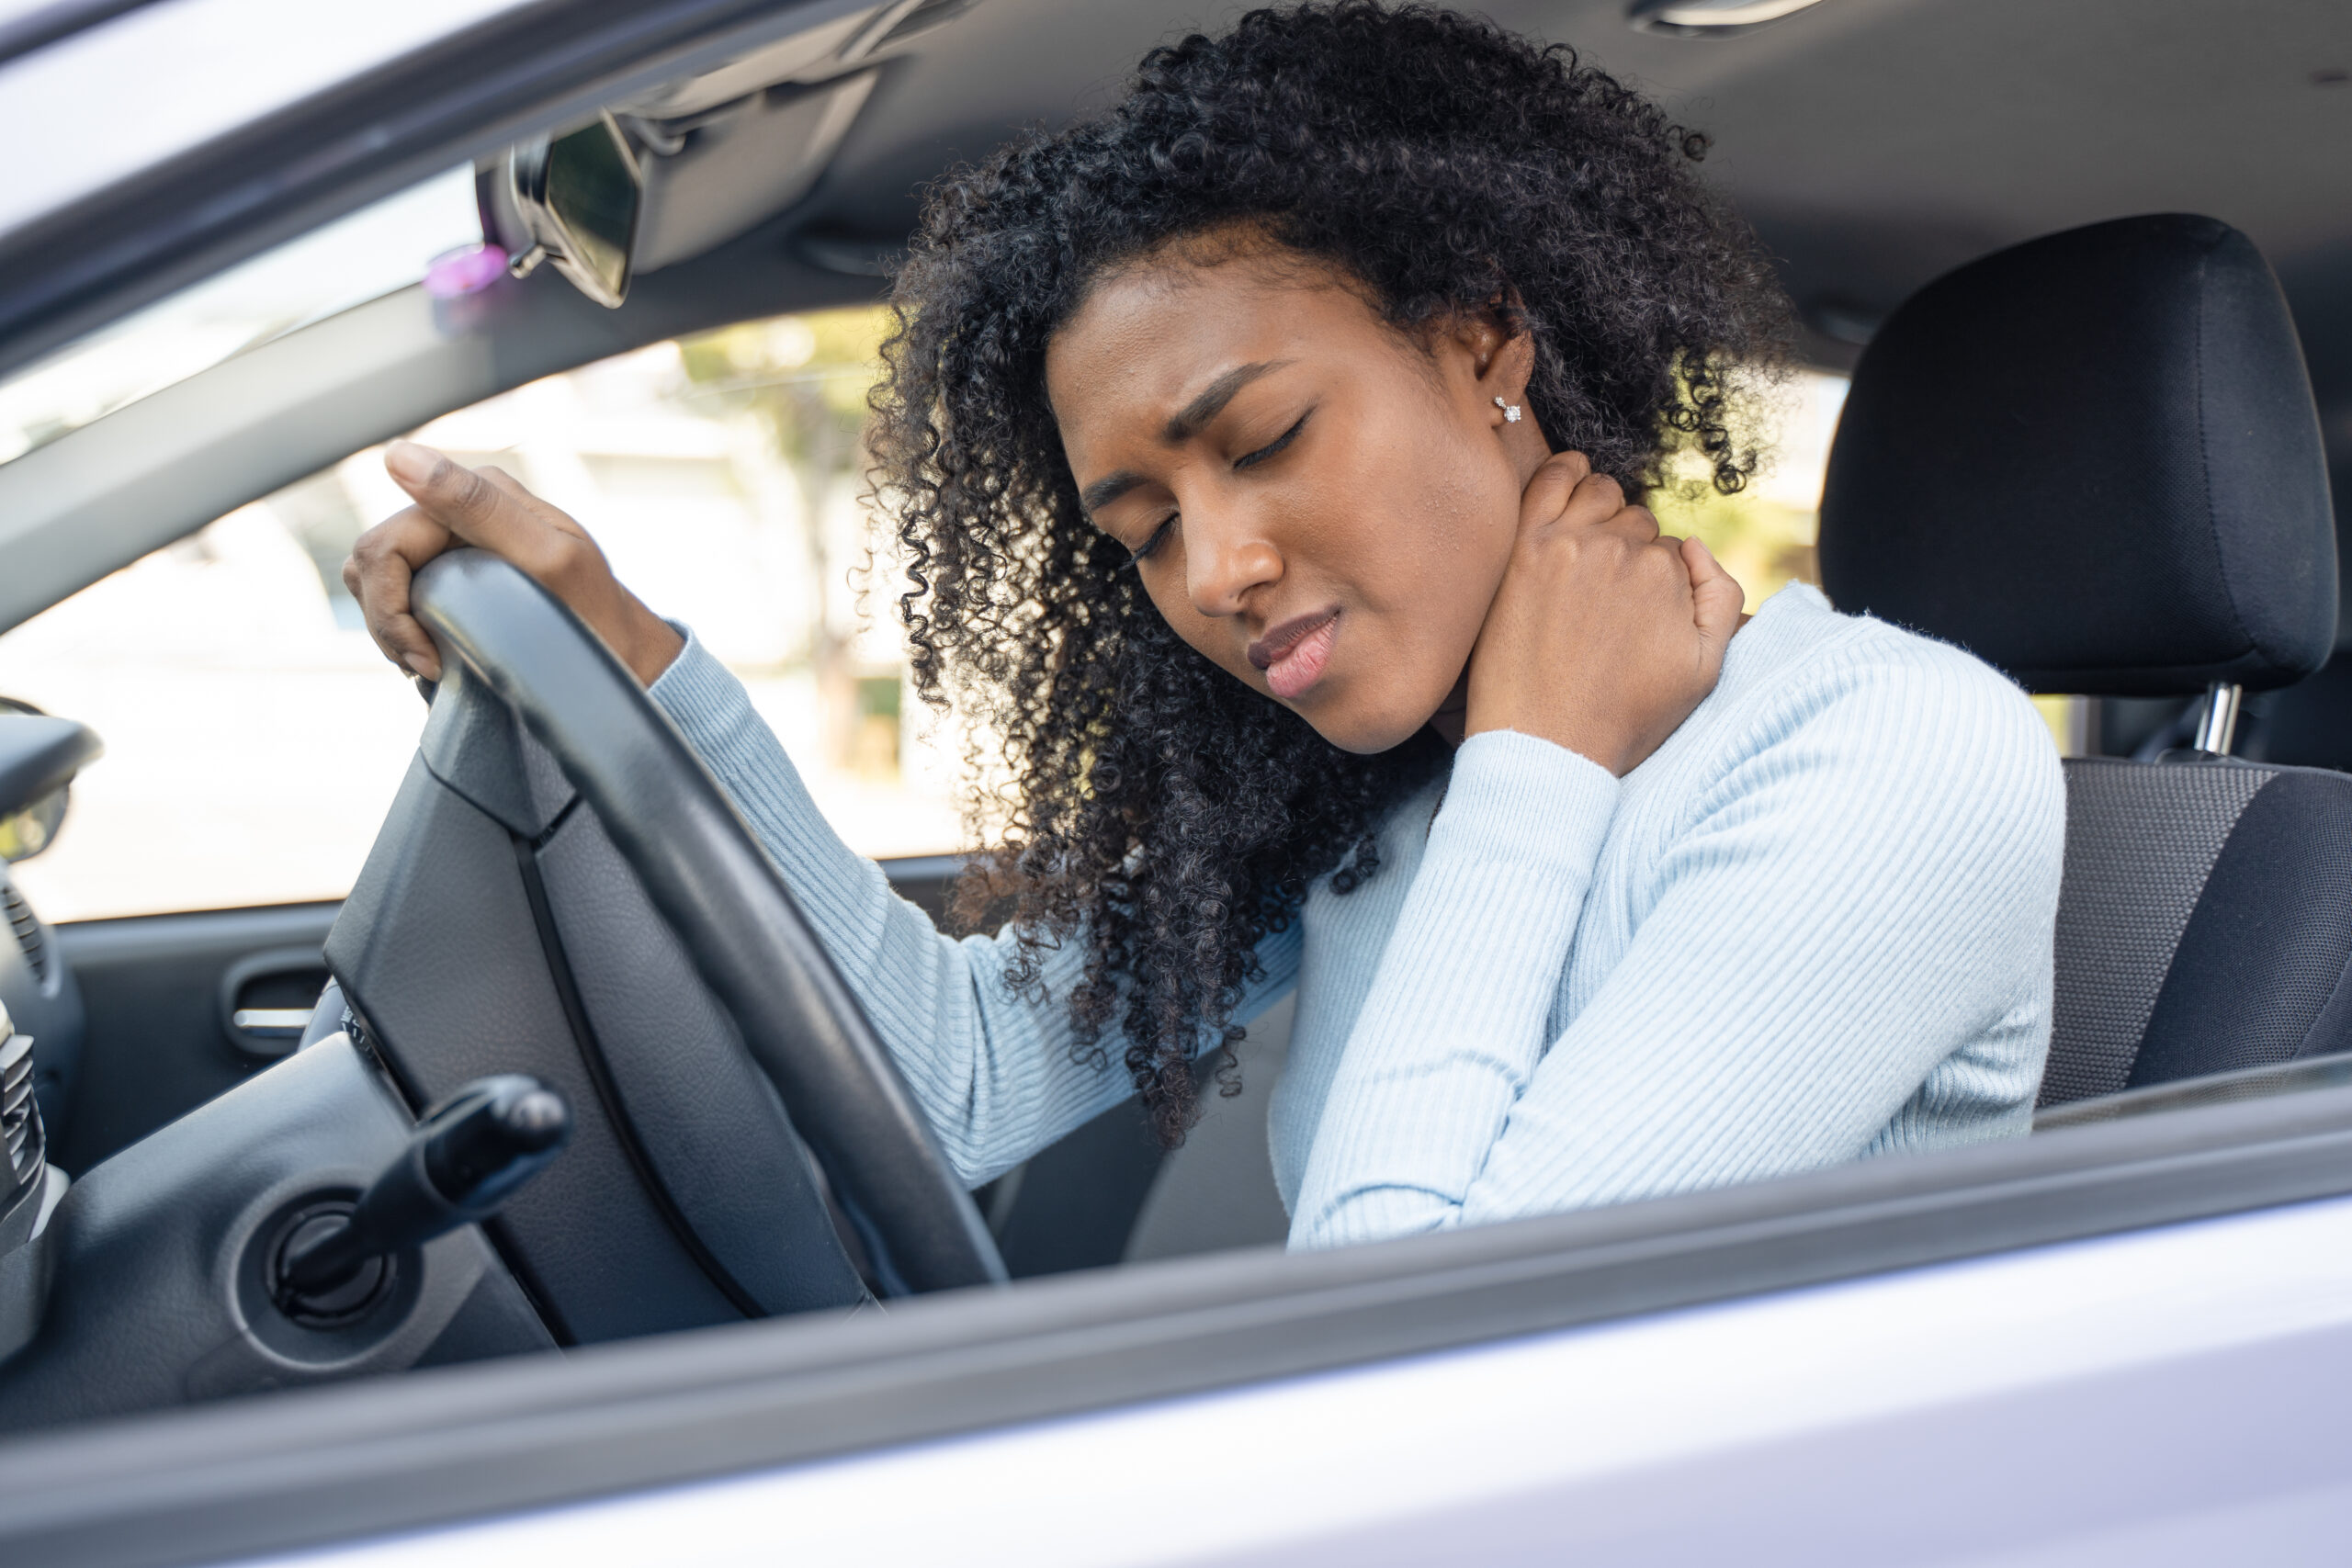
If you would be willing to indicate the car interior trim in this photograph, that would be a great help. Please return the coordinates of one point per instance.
(600, 1074)
(290, 1021)
(44, 25)
(93, 501)
(2297, 1076)
(146, 979)
(39, 755)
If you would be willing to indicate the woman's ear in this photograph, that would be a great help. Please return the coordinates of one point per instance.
(1494, 357)
(1498, 355)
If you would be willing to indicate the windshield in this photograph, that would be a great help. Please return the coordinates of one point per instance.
(364, 256)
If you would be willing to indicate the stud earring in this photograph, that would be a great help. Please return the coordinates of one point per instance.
(1510, 411)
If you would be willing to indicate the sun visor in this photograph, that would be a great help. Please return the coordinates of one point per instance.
(806, 56)
(678, 171)
(741, 165)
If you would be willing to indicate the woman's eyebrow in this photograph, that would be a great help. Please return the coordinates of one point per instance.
(1182, 427)
(1212, 398)
(1108, 488)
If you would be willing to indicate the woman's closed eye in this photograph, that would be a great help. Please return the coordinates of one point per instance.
(1252, 459)
(1158, 536)
(1150, 547)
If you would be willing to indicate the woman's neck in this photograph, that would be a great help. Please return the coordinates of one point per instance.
(1453, 714)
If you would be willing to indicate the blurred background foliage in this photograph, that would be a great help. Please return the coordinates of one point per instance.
(1764, 542)
(806, 379)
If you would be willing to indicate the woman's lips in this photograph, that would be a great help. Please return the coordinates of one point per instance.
(1293, 653)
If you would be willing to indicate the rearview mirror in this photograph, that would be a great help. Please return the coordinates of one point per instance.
(578, 198)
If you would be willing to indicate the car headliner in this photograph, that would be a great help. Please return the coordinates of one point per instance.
(1873, 143)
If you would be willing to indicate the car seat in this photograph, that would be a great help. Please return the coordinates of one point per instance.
(2094, 461)
(2309, 725)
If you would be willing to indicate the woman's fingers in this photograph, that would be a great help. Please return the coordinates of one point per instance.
(471, 506)
(505, 481)
(454, 504)
(1598, 499)
(1637, 524)
(1605, 634)
(383, 562)
(1716, 597)
(1548, 490)
(489, 509)
(1565, 492)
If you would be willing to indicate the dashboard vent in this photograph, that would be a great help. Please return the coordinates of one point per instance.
(30, 935)
(19, 1116)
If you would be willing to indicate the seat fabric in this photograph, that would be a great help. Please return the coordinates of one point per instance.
(2205, 922)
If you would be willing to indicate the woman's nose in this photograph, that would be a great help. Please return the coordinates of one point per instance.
(1226, 560)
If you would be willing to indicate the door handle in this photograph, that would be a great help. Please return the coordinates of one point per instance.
(271, 1023)
(266, 1000)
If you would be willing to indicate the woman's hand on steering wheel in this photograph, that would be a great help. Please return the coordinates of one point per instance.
(1605, 635)
(489, 508)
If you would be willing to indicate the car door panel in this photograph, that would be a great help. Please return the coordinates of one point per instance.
(163, 994)
(158, 991)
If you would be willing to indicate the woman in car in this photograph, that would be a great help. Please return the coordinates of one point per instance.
(1265, 452)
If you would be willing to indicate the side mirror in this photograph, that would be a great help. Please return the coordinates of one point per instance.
(38, 757)
(578, 198)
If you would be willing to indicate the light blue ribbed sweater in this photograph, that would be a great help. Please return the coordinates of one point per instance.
(1814, 926)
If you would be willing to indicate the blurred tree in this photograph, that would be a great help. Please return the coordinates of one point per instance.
(806, 379)
(1763, 543)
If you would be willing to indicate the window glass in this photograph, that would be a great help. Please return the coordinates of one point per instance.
(1765, 534)
(372, 252)
(254, 737)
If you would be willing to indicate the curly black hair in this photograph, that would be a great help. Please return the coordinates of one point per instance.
(1156, 809)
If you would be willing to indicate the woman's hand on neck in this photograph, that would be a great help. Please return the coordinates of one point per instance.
(1605, 634)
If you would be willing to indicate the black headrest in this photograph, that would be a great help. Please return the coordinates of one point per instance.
(2093, 460)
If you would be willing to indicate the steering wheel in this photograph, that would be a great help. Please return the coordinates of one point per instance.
(709, 879)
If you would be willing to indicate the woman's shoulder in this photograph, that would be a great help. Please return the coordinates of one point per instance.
(1813, 660)
(1867, 704)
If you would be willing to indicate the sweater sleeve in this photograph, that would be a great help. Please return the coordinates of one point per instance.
(994, 1068)
(1847, 905)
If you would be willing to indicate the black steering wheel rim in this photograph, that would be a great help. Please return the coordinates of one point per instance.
(709, 878)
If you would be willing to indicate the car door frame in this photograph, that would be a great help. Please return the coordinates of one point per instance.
(437, 1448)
